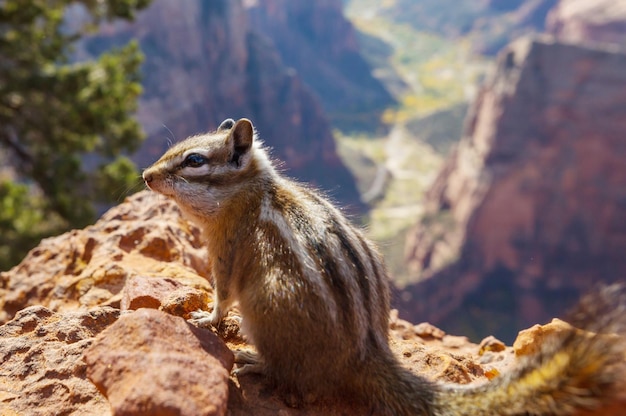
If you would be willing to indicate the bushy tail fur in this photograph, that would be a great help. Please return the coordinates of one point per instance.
(579, 370)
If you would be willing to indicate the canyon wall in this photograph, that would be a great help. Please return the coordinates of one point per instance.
(530, 210)
(203, 63)
(318, 41)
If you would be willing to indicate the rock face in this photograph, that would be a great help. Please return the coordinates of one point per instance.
(42, 368)
(193, 366)
(580, 21)
(204, 63)
(90, 267)
(530, 210)
(81, 354)
(320, 43)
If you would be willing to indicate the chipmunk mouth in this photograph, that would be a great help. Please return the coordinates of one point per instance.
(160, 185)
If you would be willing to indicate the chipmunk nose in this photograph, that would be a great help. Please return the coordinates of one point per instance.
(147, 177)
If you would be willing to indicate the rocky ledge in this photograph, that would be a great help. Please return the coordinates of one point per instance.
(94, 324)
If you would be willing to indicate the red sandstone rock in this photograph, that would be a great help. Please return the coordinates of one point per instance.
(145, 236)
(166, 294)
(149, 362)
(183, 301)
(146, 292)
(42, 371)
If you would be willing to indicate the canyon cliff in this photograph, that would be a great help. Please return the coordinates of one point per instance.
(204, 63)
(321, 45)
(530, 210)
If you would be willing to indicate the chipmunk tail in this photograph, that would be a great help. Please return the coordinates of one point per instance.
(581, 368)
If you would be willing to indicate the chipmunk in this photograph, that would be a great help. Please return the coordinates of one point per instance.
(314, 295)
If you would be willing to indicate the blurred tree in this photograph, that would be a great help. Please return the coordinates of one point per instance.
(53, 113)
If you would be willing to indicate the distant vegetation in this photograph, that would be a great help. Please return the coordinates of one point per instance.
(432, 77)
(56, 115)
(431, 55)
(487, 25)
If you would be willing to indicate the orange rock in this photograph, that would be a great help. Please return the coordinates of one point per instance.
(42, 370)
(492, 344)
(149, 362)
(146, 292)
(166, 294)
(143, 237)
(426, 330)
(529, 341)
(183, 301)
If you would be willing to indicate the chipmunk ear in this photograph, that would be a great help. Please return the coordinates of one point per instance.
(226, 124)
(241, 138)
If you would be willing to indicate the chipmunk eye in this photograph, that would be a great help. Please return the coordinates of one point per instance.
(194, 160)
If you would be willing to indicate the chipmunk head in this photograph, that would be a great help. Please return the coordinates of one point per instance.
(203, 171)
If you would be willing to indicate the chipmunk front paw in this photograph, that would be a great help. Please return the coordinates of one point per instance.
(205, 319)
